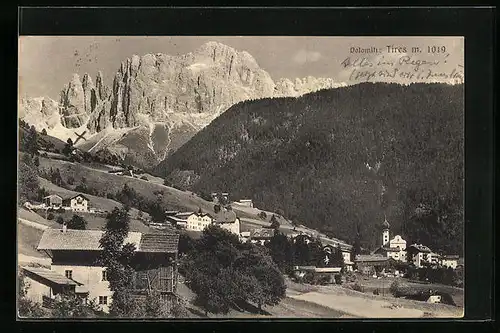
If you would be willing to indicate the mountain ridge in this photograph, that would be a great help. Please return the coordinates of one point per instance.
(172, 96)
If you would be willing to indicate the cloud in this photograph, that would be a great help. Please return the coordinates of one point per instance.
(304, 56)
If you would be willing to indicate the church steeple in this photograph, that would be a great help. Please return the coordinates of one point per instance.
(385, 232)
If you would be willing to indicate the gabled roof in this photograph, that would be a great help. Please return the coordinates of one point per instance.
(88, 240)
(386, 249)
(78, 195)
(78, 240)
(49, 275)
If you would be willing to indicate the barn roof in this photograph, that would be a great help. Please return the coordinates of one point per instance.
(49, 275)
(164, 242)
(88, 240)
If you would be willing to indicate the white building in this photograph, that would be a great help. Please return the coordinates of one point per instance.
(198, 222)
(77, 203)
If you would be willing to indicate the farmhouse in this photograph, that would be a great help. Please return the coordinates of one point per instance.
(327, 274)
(53, 201)
(421, 255)
(227, 220)
(373, 263)
(74, 256)
(77, 203)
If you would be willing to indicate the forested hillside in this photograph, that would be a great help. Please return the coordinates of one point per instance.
(339, 159)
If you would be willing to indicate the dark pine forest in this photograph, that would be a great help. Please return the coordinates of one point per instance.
(338, 160)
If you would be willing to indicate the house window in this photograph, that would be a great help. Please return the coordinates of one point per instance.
(103, 300)
(68, 273)
(104, 275)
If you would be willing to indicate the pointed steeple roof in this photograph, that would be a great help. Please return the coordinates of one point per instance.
(386, 224)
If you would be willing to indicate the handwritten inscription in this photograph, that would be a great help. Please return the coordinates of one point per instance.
(394, 66)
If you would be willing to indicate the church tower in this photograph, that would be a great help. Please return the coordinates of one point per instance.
(385, 232)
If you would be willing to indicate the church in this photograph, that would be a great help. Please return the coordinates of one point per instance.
(394, 248)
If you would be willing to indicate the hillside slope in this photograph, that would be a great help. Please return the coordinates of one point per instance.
(341, 159)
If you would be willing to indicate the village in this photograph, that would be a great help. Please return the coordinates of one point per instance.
(73, 268)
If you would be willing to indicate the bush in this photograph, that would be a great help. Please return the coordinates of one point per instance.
(50, 216)
(357, 287)
(338, 279)
(60, 220)
(262, 215)
(77, 222)
(144, 178)
(376, 292)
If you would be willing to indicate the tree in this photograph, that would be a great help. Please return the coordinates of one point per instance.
(217, 209)
(36, 161)
(28, 184)
(72, 306)
(68, 147)
(77, 222)
(223, 272)
(263, 215)
(31, 145)
(274, 222)
(280, 249)
(116, 257)
(60, 220)
(44, 131)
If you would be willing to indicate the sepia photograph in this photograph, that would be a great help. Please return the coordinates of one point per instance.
(220, 177)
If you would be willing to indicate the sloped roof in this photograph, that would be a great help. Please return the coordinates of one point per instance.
(53, 196)
(165, 242)
(77, 195)
(371, 258)
(387, 249)
(184, 214)
(49, 275)
(262, 233)
(225, 216)
(88, 240)
(56, 239)
(450, 256)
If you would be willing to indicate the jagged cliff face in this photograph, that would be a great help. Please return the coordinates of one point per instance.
(162, 100)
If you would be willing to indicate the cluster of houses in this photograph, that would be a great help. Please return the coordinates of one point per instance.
(394, 250)
(75, 203)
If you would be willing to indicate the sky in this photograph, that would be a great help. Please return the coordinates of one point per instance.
(47, 63)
